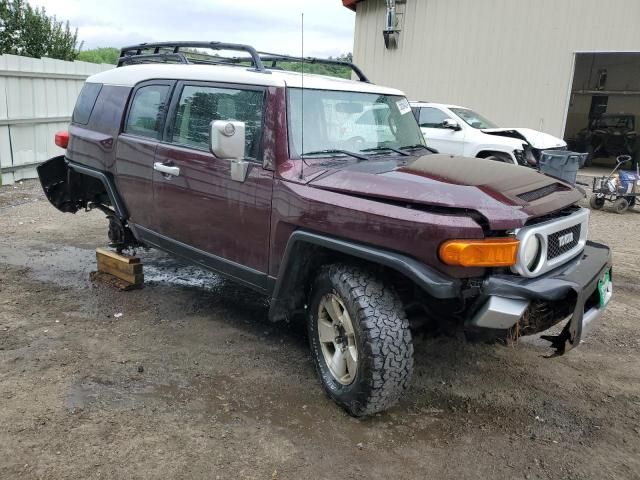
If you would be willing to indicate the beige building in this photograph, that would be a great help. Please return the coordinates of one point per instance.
(543, 64)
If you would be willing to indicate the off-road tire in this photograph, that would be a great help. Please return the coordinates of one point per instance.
(620, 205)
(382, 337)
(596, 203)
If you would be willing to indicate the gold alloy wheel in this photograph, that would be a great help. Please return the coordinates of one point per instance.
(337, 339)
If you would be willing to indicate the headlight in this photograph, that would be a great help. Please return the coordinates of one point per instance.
(531, 251)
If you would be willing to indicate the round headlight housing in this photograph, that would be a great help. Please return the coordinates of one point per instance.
(531, 252)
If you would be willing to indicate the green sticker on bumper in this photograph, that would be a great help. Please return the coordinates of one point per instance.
(605, 288)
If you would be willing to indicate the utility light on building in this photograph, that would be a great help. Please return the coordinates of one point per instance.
(391, 30)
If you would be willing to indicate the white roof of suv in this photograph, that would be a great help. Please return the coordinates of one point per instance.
(431, 104)
(134, 74)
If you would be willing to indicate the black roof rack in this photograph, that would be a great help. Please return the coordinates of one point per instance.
(274, 58)
(174, 52)
(169, 52)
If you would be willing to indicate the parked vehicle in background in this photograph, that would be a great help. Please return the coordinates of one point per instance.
(610, 135)
(366, 126)
(461, 131)
(236, 167)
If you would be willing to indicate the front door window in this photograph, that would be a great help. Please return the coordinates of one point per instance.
(200, 105)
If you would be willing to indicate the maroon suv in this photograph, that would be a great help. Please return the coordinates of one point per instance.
(321, 193)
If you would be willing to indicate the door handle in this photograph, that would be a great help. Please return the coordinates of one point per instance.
(167, 169)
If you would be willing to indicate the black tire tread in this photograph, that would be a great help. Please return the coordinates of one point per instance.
(387, 338)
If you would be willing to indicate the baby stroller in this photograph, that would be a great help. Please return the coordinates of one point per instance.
(621, 189)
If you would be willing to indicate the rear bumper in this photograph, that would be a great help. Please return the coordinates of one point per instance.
(575, 281)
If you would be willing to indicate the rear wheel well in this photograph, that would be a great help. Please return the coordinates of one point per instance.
(68, 190)
(71, 188)
(75, 187)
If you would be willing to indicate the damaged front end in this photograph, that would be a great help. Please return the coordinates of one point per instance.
(578, 292)
(71, 187)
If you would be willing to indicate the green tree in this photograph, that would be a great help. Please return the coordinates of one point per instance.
(100, 55)
(320, 69)
(30, 32)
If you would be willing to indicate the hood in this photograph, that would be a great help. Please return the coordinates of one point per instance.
(536, 139)
(505, 195)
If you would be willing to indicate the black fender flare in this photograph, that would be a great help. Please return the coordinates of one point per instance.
(428, 279)
(109, 185)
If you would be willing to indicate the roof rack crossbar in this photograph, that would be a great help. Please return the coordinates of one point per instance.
(274, 58)
(158, 57)
(137, 50)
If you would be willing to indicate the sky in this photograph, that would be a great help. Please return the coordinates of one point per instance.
(268, 25)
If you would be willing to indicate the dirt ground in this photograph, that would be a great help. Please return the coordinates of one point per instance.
(186, 378)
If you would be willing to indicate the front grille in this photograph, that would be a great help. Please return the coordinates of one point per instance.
(563, 241)
(541, 192)
(564, 235)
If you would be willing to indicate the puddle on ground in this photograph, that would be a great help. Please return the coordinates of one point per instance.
(70, 266)
(161, 268)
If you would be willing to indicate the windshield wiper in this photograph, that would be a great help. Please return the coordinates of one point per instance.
(330, 151)
(419, 145)
(381, 149)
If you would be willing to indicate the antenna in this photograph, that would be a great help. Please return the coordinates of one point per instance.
(302, 100)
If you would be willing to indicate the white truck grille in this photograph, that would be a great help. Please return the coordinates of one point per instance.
(561, 239)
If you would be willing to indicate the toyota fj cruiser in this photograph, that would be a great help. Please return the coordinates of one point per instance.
(243, 168)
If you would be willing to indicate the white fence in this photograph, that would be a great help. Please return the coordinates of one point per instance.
(37, 97)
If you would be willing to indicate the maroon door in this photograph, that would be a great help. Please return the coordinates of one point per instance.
(221, 222)
(203, 208)
(136, 149)
(134, 174)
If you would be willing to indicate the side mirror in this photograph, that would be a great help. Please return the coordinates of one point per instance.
(227, 140)
(451, 124)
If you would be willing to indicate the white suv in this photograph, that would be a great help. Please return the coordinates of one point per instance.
(461, 131)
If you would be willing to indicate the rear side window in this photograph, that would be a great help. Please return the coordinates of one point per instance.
(86, 102)
(147, 110)
(200, 105)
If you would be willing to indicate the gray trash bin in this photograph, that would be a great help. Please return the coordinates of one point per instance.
(562, 164)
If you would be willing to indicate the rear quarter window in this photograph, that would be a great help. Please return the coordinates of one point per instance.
(85, 103)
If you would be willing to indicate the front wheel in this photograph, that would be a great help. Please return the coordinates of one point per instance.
(360, 339)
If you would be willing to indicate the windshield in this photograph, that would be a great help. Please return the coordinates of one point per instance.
(473, 119)
(350, 121)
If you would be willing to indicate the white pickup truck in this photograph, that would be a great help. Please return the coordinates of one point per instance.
(461, 131)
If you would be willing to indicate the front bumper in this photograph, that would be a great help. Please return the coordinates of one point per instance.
(577, 280)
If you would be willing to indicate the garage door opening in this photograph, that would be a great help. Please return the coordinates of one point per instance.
(604, 107)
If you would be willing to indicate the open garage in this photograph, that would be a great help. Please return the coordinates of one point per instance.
(548, 66)
(604, 104)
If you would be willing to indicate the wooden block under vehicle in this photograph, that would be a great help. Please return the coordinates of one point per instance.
(103, 252)
(123, 267)
(112, 281)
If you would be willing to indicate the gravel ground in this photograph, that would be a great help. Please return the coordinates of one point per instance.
(186, 378)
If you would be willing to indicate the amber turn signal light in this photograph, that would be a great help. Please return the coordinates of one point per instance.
(62, 139)
(489, 252)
